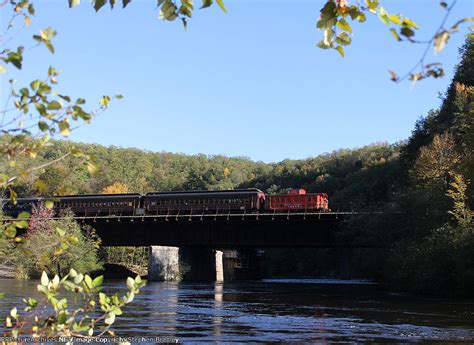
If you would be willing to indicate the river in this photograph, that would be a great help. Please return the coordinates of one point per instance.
(292, 310)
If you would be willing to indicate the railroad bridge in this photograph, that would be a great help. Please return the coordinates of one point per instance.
(224, 230)
(224, 246)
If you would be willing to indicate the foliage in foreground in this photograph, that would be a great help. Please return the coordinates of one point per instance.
(52, 316)
(52, 245)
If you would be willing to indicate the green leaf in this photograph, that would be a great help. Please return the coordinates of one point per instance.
(50, 46)
(409, 22)
(35, 84)
(44, 88)
(104, 101)
(328, 37)
(343, 39)
(66, 98)
(43, 126)
(221, 5)
(23, 216)
(14, 313)
(64, 128)
(74, 3)
(440, 41)
(10, 231)
(361, 17)
(125, 3)
(372, 5)
(342, 24)
(41, 109)
(62, 304)
(60, 231)
(328, 16)
(44, 279)
(22, 224)
(168, 10)
(383, 16)
(407, 32)
(72, 273)
(49, 204)
(54, 105)
(443, 4)
(128, 298)
(206, 3)
(340, 50)
(97, 281)
(52, 71)
(62, 317)
(55, 281)
(395, 19)
(110, 318)
(130, 283)
(15, 58)
(24, 92)
(102, 298)
(98, 4)
(47, 34)
(395, 34)
(88, 281)
(78, 278)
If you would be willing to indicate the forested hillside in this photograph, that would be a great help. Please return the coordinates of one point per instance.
(365, 174)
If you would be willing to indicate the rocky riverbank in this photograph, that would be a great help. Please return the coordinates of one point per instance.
(7, 272)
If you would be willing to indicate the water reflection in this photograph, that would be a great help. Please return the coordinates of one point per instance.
(285, 311)
(217, 319)
(162, 302)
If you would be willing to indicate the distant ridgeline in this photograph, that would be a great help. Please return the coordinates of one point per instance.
(370, 173)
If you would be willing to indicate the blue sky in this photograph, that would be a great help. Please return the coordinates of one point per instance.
(247, 83)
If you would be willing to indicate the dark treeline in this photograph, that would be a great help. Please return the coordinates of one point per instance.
(424, 184)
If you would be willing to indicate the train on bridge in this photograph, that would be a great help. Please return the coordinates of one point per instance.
(172, 203)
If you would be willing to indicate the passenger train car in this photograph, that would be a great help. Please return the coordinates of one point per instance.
(238, 200)
(82, 205)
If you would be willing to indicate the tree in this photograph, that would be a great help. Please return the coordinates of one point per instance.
(115, 188)
(461, 212)
(57, 245)
(437, 162)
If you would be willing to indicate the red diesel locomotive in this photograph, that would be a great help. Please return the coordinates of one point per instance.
(298, 199)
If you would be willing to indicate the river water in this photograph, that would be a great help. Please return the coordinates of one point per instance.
(298, 310)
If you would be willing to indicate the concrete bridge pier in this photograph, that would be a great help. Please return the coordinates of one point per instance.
(184, 263)
(203, 264)
(163, 263)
